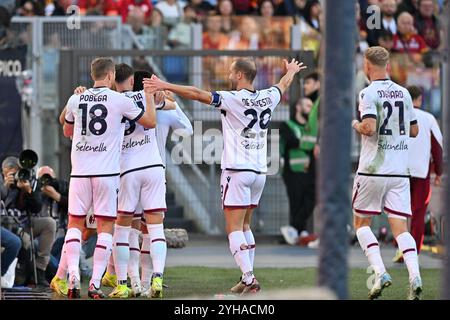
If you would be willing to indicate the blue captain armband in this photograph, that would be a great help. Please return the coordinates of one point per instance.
(216, 99)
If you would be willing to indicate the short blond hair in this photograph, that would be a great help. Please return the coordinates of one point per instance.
(100, 67)
(377, 56)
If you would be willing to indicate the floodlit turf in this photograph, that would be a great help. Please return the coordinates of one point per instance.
(189, 281)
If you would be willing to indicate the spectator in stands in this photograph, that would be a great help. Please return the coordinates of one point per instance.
(105, 7)
(283, 7)
(388, 22)
(266, 9)
(246, 37)
(30, 8)
(311, 14)
(299, 8)
(180, 35)
(157, 18)
(410, 6)
(127, 6)
(202, 8)
(213, 37)
(244, 7)
(172, 11)
(386, 40)
(406, 40)
(361, 33)
(144, 33)
(427, 24)
(226, 11)
(23, 199)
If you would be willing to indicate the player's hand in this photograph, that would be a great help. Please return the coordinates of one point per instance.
(437, 181)
(24, 185)
(79, 90)
(159, 97)
(355, 123)
(294, 65)
(9, 180)
(154, 84)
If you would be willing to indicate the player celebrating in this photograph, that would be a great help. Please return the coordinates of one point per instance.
(382, 180)
(245, 114)
(94, 119)
(173, 119)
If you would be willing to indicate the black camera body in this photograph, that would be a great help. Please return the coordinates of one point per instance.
(47, 180)
(27, 161)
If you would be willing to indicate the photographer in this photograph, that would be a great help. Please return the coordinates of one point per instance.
(23, 201)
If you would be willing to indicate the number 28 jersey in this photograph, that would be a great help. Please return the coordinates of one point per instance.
(98, 133)
(245, 120)
(386, 152)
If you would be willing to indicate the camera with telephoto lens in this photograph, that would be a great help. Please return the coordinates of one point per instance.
(47, 180)
(27, 161)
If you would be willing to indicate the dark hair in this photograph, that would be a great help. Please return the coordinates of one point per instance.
(415, 92)
(138, 78)
(385, 34)
(261, 4)
(123, 72)
(247, 67)
(313, 75)
(100, 68)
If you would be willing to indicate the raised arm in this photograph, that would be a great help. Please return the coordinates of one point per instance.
(148, 120)
(187, 92)
(292, 68)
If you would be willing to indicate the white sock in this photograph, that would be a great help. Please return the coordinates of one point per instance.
(121, 252)
(73, 247)
(133, 262)
(158, 247)
(110, 268)
(238, 248)
(369, 244)
(407, 246)
(251, 245)
(62, 266)
(102, 253)
(146, 268)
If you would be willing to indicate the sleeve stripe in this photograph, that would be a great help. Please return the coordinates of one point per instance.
(139, 116)
(373, 116)
(69, 122)
(413, 122)
(279, 91)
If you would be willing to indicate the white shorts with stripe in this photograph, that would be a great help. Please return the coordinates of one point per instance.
(374, 194)
(241, 189)
(146, 187)
(100, 193)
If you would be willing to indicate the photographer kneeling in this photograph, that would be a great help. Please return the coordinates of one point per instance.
(22, 200)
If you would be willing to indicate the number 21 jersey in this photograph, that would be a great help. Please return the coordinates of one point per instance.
(97, 115)
(386, 152)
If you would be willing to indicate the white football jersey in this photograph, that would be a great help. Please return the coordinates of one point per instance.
(386, 152)
(245, 120)
(170, 119)
(420, 146)
(139, 148)
(98, 130)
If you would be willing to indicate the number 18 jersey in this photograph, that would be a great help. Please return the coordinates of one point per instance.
(97, 116)
(386, 152)
(245, 120)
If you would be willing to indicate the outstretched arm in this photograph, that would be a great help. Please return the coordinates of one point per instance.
(187, 92)
(292, 68)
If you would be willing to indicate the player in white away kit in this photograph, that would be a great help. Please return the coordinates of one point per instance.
(382, 180)
(94, 119)
(245, 114)
(142, 181)
(168, 119)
